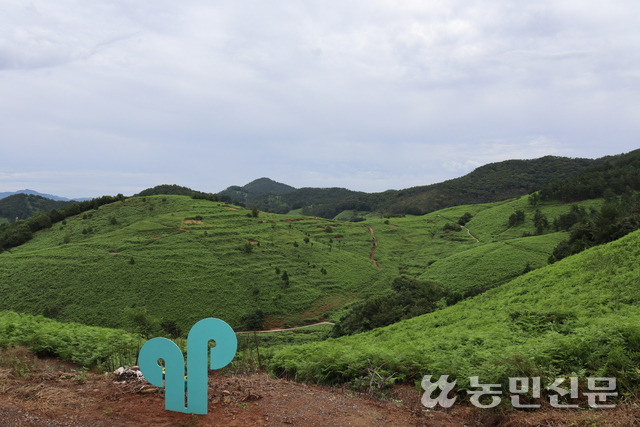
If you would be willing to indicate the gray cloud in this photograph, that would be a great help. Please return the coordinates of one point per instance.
(365, 94)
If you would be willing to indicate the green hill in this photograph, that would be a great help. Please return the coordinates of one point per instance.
(616, 174)
(178, 259)
(166, 189)
(262, 186)
(184, 259)
(489, 183)
(580, 316)
(272, 196)
(306, 199)
(258, 192)
(24, 206)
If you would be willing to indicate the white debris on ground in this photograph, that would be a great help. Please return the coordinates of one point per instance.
(124, 375)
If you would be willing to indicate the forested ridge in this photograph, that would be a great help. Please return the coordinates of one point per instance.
(614, 178)
(489, 183)
(22, 206)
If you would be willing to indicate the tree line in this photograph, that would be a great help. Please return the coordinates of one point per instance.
(614, 178)
(615, 174)
(17, 233)
(619, 216)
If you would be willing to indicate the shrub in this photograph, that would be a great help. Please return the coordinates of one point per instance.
(253, 321)
(465, 218)
(451, 227)
(516, 218)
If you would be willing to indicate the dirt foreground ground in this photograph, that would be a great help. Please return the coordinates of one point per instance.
(53, 393)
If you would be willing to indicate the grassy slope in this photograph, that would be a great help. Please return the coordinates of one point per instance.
(580, 315)
(89, 346)
(486, 266)
(455, 260)
(182, 274)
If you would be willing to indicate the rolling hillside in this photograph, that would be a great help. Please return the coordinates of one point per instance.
(184, 259)
(580, 316)
(176, 259)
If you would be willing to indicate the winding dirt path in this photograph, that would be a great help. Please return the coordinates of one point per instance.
(469, 233)
(372, 257)
(461, 226)
(287, 329)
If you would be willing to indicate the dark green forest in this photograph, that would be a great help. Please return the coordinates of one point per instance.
(23, 206)
(615, 174)
(17, 233)
(489, 183)
(614, 178)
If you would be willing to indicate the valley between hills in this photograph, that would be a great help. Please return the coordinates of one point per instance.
(544, 283)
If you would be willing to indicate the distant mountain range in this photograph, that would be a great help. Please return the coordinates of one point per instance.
(489, 183)
(35, 193)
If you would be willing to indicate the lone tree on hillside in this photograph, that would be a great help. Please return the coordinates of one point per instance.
(540, 221)
(254, 321)
(465, 218)
(285, 279)
(516, 218)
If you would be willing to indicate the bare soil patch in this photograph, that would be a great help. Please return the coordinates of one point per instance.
(192, 221)
(53, 393)
(231, 208)
(49, 397)
(300, 219)
(372, 257)
(286, 329)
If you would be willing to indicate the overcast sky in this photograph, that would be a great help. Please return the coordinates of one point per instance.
(104, 97)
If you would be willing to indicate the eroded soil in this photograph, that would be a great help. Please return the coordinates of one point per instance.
(52, 393)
